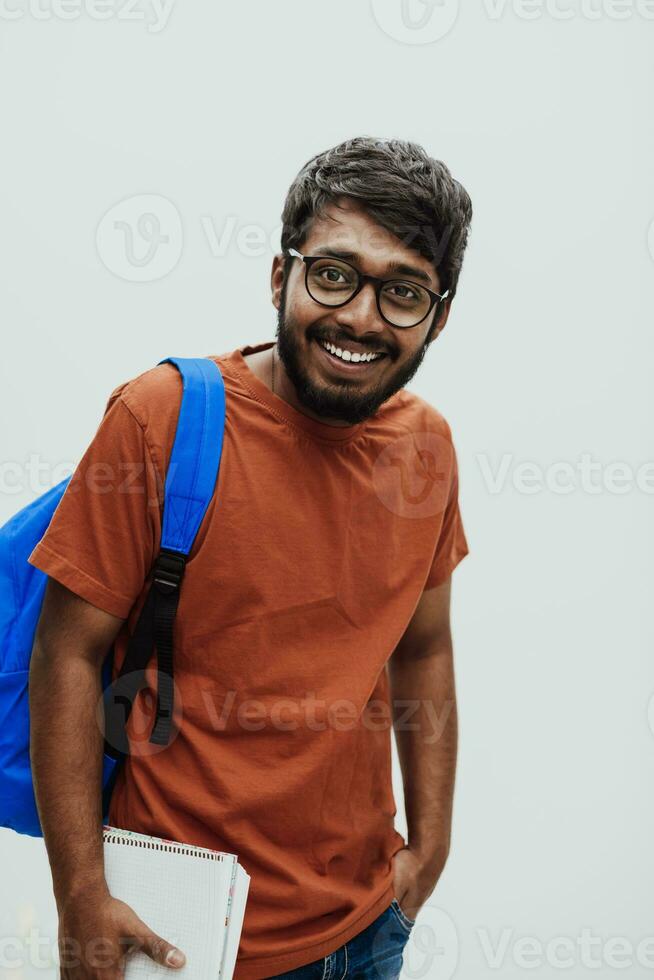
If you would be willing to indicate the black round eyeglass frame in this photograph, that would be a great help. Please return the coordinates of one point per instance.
(378, 285)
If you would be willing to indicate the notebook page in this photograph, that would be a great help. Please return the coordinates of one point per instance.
(178, 891)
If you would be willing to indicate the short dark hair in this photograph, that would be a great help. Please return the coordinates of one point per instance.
(399, 185)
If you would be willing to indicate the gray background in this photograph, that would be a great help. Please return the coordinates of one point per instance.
(201, 117)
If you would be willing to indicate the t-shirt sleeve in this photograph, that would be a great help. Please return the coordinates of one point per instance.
(104, 534)
(452, 545)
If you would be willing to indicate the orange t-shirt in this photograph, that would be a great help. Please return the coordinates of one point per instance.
(304, 574)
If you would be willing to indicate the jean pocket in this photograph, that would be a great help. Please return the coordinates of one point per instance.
(403, 919)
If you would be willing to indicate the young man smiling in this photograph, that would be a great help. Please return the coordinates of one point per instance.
(315, 609)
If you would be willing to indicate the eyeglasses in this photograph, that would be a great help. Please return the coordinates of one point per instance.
(333, 282)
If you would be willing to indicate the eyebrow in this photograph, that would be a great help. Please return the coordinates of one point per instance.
(393, 267)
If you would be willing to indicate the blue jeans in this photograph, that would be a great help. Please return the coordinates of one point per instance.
(374, 954)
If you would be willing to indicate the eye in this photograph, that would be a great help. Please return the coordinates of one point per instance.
(327, 274)
(331, 273)
(403, 291)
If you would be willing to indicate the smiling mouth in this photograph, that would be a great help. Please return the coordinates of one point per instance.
(348, 360)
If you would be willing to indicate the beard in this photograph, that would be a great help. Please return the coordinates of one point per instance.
(339, 399)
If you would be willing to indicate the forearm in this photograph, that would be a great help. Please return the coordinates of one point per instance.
(425, 721)
(66, 746)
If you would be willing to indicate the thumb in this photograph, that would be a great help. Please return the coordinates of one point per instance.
(158, 949)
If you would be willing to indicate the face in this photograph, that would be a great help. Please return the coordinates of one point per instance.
(324, 384)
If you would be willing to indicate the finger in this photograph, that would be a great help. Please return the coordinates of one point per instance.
(159, 949)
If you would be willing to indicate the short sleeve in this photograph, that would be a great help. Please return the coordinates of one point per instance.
(104, 534)
(452, 545)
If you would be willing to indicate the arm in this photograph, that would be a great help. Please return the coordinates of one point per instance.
(66, 743)
(96, 931)
(421, 679)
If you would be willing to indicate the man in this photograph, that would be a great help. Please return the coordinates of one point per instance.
(315, 608)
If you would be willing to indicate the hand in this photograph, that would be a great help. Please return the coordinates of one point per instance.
(414, 879)
(97, 931)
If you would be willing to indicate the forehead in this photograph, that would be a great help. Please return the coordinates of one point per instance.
(349, 227)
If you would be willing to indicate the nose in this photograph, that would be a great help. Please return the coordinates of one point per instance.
(361, 316)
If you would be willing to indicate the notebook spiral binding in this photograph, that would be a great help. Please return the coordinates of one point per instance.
(156, 845)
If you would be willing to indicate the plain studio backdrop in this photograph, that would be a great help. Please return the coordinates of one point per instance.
(146, 154)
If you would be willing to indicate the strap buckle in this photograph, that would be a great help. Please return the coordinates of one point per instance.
(169, 570)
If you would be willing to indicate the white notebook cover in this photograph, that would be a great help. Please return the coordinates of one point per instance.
(193, 897)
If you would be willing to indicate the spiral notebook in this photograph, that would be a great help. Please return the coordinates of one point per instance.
(193, 897)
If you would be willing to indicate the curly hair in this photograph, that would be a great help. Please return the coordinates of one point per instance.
(401, 187)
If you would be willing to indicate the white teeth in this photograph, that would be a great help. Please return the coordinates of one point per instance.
(347, 355)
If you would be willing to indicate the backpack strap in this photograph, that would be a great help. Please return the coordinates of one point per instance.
(190, 483)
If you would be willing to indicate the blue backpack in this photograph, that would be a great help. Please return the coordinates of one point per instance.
(190, 484)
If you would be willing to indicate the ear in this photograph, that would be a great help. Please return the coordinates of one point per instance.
(276, 279)
(438, 326)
